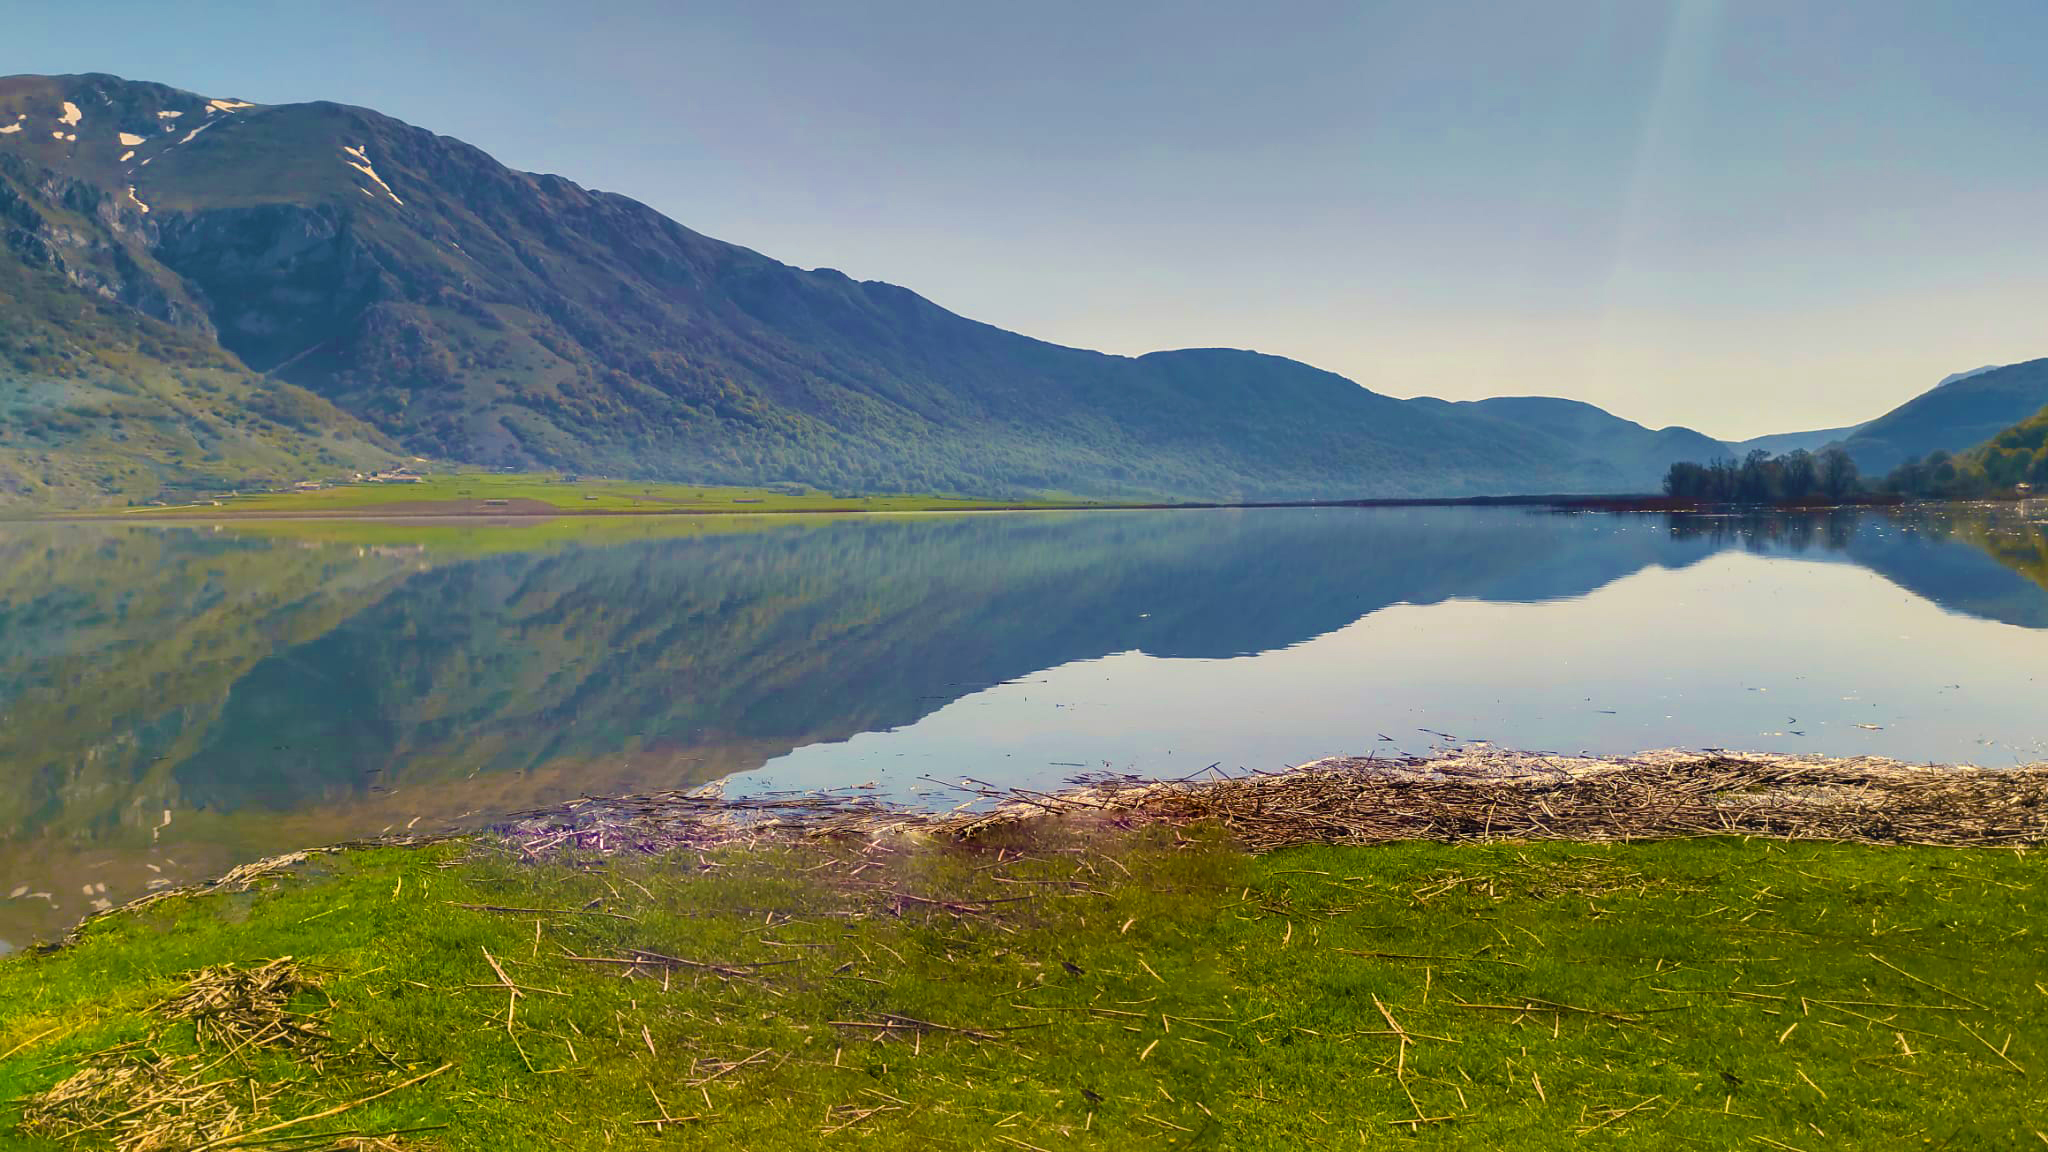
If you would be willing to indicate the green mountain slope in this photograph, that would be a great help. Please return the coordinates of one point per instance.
(2018, 455)
(111, 384)
(100, 404)
(1626, 450)
(1960, 413)
(466, 311)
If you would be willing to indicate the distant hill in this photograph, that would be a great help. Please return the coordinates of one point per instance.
(1781, 443)
(1627, 450)
(354, 285)
(1958, 414)
(2018, 455)
(1952, 377)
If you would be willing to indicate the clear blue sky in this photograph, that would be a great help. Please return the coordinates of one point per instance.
(1747, 216)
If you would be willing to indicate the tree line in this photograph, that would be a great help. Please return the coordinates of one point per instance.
(1801, 477)
(1830, 476)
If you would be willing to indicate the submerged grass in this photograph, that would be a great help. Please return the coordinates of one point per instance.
(1073, 985)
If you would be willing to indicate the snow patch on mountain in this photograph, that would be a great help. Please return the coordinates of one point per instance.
(71, 115)
(195, 132)
(129, 139)
(361, 163)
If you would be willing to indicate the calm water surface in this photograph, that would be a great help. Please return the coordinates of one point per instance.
(174, 700)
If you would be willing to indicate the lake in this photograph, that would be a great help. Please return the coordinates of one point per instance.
(176, 699)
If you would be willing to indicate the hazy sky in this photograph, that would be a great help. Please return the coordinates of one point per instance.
(1747, 216)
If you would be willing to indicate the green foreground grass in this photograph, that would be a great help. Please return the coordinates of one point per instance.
(582, 495)
(1129, 991)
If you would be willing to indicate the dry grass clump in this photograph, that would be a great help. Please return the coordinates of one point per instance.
(136, 1097)
(142, 1102)
(234, 1008)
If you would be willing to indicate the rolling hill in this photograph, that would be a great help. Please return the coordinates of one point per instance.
(1781, 443)
(1960, 413)
(301, 289)
(2018, 455)
(1626, 451)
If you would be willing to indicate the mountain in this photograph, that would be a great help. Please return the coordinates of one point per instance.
(1627, 450)
(1952, 377)
(1781, 443)
(110, 379)
(394, 287)
(1958, 414)
(2018, 455)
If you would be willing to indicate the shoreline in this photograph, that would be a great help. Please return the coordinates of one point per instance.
(1242, 962)
(1476, 796)
(1470, 796)
(482, 511)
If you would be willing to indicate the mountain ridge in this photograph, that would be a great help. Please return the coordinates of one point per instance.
(1964, 411)
(453, 308)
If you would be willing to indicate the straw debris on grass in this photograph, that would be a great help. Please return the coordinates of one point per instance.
(145, 1096)
(1475, 794)
(1486, 795)
(235, 1008)
(1533, 952)
(144, 1102)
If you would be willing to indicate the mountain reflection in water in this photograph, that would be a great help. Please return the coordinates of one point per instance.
(175, 700)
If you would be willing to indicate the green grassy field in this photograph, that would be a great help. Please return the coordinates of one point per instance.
(1107, 991)
(581, 495)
